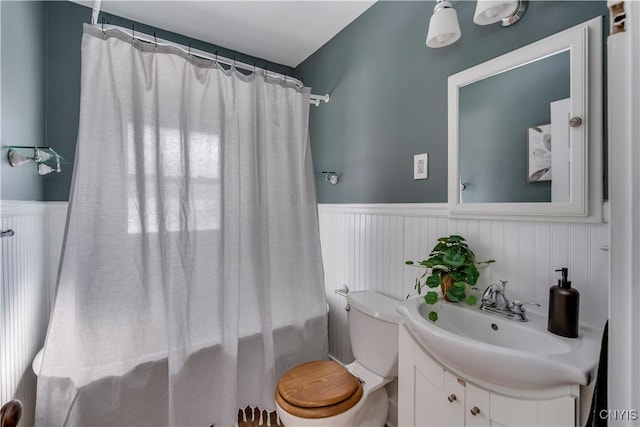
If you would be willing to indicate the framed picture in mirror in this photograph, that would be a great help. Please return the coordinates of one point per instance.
(539, 149)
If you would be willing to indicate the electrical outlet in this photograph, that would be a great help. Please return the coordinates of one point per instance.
(421, 166)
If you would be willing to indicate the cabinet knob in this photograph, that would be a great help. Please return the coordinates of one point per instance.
(452, 397)
(475, 411)
(576, 121)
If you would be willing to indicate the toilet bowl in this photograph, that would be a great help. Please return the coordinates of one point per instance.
(326, 394)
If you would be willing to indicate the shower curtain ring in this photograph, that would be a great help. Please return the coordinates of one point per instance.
(133, 33)
(189, 53)
(103, 25)
(155, 39)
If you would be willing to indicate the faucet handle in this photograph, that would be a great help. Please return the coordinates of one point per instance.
(517, 306)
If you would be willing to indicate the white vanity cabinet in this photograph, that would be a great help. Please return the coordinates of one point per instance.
(431, 395)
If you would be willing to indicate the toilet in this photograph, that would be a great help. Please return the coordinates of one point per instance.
(324, 393)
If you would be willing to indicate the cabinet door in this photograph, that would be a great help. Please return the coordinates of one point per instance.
(519, 412)
(477, 404)
(439, 397)
(508, 411)
(558, 412)
(406, 380)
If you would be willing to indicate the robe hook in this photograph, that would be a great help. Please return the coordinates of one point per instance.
(331, 177)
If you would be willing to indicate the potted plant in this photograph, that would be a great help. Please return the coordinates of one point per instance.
(452, 266)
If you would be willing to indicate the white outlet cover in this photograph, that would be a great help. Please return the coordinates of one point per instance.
(421, 166)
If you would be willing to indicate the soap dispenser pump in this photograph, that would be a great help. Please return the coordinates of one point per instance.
(564, 307)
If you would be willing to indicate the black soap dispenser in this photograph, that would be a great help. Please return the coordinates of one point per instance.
(564, 307)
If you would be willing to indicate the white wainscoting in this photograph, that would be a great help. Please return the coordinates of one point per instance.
(24, 300)
(366, 246)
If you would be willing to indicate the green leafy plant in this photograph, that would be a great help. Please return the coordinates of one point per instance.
(452, 266)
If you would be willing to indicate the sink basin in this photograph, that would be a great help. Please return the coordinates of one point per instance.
(500, 351)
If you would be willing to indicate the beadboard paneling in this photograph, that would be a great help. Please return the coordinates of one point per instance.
(24, 301)
(368, 251)
(364, 252)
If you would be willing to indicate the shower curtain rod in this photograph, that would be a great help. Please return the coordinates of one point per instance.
(314, 99)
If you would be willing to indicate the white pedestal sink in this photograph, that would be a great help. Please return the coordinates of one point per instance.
(501, 351)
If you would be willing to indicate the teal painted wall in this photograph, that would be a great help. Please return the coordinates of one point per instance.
(64, 34)
(23, 113)
(389, 94)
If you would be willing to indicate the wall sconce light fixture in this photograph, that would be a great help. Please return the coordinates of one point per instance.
(445, 30)
(443, 25)
(503, 12)
(45, 157)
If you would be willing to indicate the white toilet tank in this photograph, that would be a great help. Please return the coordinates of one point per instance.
(373, 326)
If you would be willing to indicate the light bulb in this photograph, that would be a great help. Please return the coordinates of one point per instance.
(443, 38)
(492, 13)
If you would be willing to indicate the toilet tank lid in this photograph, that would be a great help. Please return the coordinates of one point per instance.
(375, 305)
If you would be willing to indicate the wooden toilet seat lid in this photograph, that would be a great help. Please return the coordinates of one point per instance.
(318, 389)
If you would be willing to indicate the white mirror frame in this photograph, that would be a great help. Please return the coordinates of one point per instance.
(584, 43)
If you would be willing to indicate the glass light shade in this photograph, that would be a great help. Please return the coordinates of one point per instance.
(443, 26)
(491, 11)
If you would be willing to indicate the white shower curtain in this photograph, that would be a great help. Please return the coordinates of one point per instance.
(191, 274)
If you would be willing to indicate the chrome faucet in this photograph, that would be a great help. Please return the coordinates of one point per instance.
(495, 301)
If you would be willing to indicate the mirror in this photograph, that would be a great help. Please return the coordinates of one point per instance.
(525, 131)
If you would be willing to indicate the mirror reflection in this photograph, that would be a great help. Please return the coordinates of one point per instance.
(514, 134)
